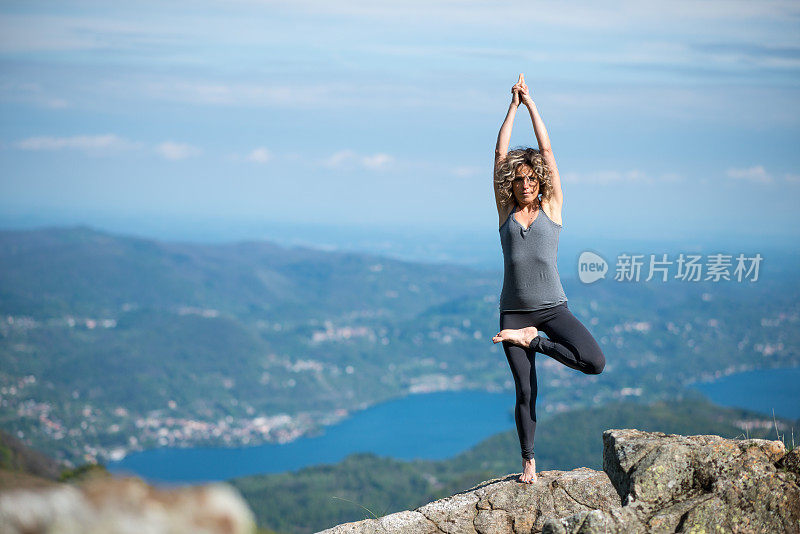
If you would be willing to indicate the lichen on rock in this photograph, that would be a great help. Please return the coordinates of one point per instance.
(674, 483)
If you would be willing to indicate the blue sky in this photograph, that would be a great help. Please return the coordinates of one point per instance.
(667, 119)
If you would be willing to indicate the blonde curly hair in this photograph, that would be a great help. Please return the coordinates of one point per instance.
(506, 170)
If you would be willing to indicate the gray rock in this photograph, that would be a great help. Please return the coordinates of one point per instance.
(499, 506)
(667, 482)
(108, 505)
(673, 483)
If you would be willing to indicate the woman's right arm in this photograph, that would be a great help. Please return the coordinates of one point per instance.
(503, 140)
(504, 137)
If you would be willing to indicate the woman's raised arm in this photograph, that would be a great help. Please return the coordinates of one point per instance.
(504, 137)
(503, 140)
(544, 144)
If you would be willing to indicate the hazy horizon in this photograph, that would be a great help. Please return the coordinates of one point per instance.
(478, 247)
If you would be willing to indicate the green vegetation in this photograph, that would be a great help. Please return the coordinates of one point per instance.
(82, 472)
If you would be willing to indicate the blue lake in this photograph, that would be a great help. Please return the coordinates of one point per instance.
(432, 426)
(761, 390)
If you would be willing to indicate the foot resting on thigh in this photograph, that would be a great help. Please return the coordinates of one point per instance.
(529, 475)
(518, 336)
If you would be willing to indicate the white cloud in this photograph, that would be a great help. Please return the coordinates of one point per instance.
(177, 151)
(752, 174)
(42, 32)
(301, 94)
(613, 176)
(350, 158)
(573, 101)
(376, 161)
(792, 178)
(339, 159)
(466, 172)
(623, 14)
(33, 93)
(108, 143)
(243, 22)
(92, 143)
(260, 155)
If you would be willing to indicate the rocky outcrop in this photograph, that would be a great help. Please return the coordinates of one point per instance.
(653, 482)
(673, 483)
(110, 505)
(500, 505)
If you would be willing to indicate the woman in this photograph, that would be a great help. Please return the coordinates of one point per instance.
(527, 190)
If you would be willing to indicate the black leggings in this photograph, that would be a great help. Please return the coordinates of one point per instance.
(569, 343)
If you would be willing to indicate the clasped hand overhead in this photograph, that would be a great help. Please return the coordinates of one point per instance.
(520, 92)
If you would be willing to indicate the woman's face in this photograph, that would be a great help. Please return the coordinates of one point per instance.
(525, 185)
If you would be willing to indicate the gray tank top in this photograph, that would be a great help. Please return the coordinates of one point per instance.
(530, 278)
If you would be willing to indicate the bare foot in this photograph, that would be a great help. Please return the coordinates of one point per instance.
(519, 336)
(528, 475)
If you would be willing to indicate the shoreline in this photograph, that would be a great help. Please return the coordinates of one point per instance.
(708, 378)
(322, 422)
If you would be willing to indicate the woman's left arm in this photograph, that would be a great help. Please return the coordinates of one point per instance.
(544, 147)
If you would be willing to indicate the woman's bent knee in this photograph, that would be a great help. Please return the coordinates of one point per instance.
(593, 359)
(596, 364)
